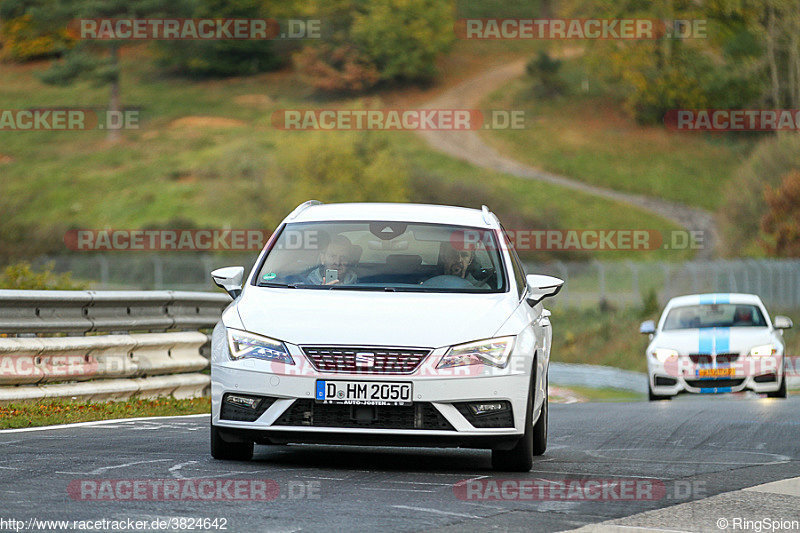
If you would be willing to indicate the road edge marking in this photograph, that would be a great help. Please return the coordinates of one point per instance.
(98, 423)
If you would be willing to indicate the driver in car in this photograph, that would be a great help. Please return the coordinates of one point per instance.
(338, 256)
(457, 263)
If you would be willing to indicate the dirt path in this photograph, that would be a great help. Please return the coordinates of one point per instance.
(468, 146)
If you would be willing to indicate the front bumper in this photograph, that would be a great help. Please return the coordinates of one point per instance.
(681, 375)
(286, 419)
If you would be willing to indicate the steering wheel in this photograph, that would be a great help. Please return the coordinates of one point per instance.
(447, 282)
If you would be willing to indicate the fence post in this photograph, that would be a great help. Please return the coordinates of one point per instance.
(103, 270)
(158, 272)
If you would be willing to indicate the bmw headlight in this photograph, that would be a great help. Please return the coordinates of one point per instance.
(493, 352)
(662, 354)
(763, 350)
(243, 344)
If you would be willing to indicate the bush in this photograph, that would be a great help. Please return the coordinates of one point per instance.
(340, 167)
(781, 223)
(21, 40)
(743, 203)
(404, 37)
(544, 73)
(340, 69)
(22, 276)
(379, 40)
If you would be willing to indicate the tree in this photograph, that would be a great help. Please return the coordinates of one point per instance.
(781, 223)
(224, 57)
(95, 61)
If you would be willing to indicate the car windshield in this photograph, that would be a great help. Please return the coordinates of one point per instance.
(715, 316)
(375, 255)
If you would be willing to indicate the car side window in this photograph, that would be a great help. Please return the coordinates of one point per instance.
(516, 266)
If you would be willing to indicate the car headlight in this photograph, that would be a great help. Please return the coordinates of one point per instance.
(493, 352)
(662, 354)
(763, 350)
(243, 344)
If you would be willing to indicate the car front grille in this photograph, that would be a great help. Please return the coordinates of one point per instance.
(420, 415)
(714, 383)
(707, 359)
(365, 360)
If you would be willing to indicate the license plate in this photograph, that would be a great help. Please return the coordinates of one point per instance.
(364, 392)
(716, 372)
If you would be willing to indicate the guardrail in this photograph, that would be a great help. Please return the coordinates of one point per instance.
(52, 346)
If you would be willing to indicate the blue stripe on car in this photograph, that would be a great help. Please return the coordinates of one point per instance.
(715, 390)
(722, 340)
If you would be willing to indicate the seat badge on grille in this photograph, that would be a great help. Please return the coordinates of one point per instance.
(365, 359)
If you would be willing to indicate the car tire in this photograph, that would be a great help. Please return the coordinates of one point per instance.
(533, 442)
(229, 451)
(781, 392)
(655, 397)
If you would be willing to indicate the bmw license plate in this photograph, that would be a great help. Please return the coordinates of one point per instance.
(711, 373)
(364, 392)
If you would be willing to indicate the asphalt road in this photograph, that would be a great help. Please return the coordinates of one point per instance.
(696, 447)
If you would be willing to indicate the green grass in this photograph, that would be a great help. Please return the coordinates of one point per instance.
(51, 412)
(216, 174)
(571, 209)
(588, 137)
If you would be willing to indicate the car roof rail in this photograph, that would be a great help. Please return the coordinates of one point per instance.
(302, 207)
(488, 217)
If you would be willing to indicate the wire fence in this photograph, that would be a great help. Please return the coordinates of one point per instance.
(619, 283)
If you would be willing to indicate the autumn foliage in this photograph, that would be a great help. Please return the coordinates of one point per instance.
(781, 223)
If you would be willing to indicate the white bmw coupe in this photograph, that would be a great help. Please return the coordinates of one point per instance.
(713, 343)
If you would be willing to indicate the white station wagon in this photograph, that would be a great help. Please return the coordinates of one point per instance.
(384, 324)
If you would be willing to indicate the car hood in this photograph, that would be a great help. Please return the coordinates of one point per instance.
(712, 340)
(430, 320)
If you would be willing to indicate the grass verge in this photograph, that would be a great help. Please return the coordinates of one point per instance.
(58, 411)
(605, 394)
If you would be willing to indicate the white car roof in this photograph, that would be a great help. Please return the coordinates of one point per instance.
(718, 298)
(400, 212)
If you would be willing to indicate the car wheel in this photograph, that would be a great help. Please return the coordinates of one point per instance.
(231, 451)
(781, 392)
(655, 397)
(533, 442)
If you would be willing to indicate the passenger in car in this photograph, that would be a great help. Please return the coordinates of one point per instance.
(339, 255)
(458, 262)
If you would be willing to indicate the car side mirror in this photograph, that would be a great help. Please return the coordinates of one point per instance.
(230, 279)
(648, 327)
(541, 287)
(782, 322)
